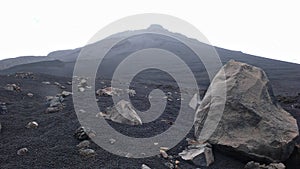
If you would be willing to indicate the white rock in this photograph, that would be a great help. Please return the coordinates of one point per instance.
(144, 166)
(29, 94)
(32, 125)
(22, 151)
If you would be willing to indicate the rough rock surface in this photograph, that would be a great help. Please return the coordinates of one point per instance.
(254, 165)
(123, 112)
(198, 154)
(253, 125)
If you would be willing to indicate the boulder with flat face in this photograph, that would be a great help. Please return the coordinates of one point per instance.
(252, 125)
(123, 112)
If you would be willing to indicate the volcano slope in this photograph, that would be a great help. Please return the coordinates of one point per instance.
(52, 144)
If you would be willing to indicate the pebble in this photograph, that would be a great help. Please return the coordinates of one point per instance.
(87, 152)
(112, 141)
(32, 125)
(22, 151)
(144, 166)
(29, 94)
(163, 154)
(84, 144)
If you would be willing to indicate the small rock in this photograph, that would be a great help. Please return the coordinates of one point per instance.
(69, 83)
(57, 84)
(32, 125)
(163, 154)
(22, 151)
(46, 83)
(84, 144)
(254, 165)
(66, 93)
(199, 154)
(87, 152)
(83, 83)
(0, 127)
(82, 111)
(164, 148)
(52, 109)
(112, 141)
(81, 89)
(84, 133)
(62, 87)
(12, 87)
(144, 166)
(29, 94)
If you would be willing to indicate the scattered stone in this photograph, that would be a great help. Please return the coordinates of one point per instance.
(250, 119)
(62, 87)
(24, 75)
(69, 83)
(131, 92)
(169, 165)
(164, 148)
(112, 141)
(84, 133)
(81, 89)
(3, 108)
(22, 151)
(124, 113)
(82, 111)
(83, 83)
(66, 93)
(254, 165)
(164, 154)
(87, 152)
(84, 144)
(12, 87)
(32, 125)
(110, 91)
(46, 83)
(144, 166)
(200, 154)
(29, 94)
(53, 109)
(55, 104)
(57, 84)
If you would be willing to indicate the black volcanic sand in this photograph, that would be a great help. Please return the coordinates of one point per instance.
(52, 144)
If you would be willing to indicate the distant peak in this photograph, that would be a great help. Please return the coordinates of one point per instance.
(156, 27)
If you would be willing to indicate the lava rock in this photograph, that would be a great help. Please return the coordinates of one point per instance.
(32, 125)
(84, 144)
(87, 152)
(144, 166)
(252, 124)
(124, 113)
(84, 133)
(254, 165)
(22, 151)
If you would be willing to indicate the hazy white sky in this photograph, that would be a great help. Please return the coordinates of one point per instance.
(260, 27)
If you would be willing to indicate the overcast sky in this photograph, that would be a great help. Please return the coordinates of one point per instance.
(260, 27)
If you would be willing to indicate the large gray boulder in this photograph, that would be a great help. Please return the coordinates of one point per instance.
(253, 125)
